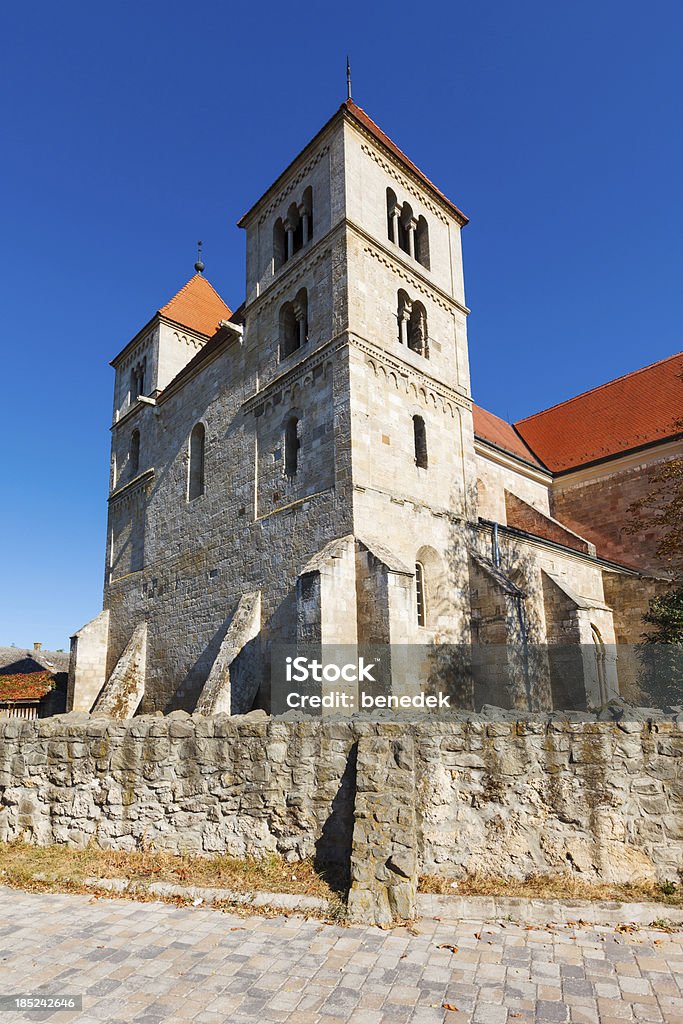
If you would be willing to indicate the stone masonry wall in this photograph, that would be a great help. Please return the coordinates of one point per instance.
(507, 796)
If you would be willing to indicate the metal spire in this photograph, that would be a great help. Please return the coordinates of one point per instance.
(348, 78)
(199, 266)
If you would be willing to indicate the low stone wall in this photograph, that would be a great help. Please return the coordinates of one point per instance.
(510, 797)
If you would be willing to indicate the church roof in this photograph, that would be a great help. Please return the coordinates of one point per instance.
(197, 306)
(631, 412)
(501, 434)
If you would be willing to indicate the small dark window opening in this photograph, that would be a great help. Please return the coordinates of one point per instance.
(418, 339)
(134, 453)
(392, 216)
(195, 485)
(137, 381)
(289, 331)
(420, 435)
(294, 324)
(279, 244)
(422, 242)
(420, 594)
(292, 445)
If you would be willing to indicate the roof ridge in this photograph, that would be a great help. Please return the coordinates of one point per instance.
(598, 387)
(356, 110)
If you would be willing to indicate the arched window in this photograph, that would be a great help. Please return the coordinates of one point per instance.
(134, 454)
(293, 231)
(412, 325)
(279, 244)
(420, 437)
(420, 594)
(407, 231)
(292, 445)
(294, 324)
(417, 330)
(393, 215)
(422, 242)
(195, 477)
(137, 381)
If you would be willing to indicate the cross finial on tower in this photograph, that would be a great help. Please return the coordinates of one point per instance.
(199, 266)
(348, 78)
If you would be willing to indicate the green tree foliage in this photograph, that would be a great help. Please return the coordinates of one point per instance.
(661, 655)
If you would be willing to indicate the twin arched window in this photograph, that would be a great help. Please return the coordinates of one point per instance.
(294, 324)
(294, 231)
(195, 477)
(407, 231)
(412, 325)
(137, 380)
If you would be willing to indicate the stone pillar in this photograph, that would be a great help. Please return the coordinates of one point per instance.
(384, 850)
(403, 327)
(300, 313)
(395, 232)
(410, 229)
(290, 239)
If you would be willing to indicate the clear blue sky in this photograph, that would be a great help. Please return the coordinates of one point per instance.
(129, 130)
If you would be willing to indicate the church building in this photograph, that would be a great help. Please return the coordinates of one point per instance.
(311, 469)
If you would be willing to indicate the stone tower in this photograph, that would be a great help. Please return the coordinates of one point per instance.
(305, 469)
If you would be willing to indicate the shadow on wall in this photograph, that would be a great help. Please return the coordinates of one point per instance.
(497, 653)
(333, 848)
(187, 694)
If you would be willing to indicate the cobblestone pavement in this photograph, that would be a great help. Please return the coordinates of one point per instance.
(154, 963)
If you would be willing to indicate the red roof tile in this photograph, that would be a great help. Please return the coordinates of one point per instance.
(630, 412)
(25, 686)
(503, 435)
(198, 306)
(368, 123)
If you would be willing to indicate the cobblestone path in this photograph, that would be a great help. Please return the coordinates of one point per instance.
(159, 964)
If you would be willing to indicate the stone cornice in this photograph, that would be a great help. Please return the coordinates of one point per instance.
(407, 371)
(295, 373)
(650, 453)
(509, 461)
(132, 487)
(409, 270)
(294, 269)
(484, 526)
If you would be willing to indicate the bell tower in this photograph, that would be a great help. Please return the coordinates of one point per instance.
(411, 421)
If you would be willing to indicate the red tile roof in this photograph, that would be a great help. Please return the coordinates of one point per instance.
(630, 412)
(503, 435)
(198, 306)
(368, 123)
(25, 686)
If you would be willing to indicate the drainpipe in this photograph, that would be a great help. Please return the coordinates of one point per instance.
(495, 546)
(525, 647)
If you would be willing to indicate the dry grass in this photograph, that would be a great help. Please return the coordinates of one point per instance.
(553, 887)
(21, 862)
